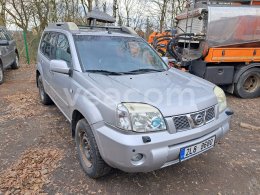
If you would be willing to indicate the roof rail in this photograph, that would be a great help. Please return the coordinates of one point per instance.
(123, 29)
(70, 26)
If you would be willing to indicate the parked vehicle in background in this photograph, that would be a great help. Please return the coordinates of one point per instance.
(101, 79)
(219, 41)
(9, 56)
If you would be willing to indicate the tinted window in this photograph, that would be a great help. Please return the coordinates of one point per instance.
(48, 45)
(63, 49)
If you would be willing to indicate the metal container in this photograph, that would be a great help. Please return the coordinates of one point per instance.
(233, 25)
(225, 26)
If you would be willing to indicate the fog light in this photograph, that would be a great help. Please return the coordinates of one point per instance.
(137, 157)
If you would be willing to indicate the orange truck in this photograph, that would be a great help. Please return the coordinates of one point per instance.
(220, 42)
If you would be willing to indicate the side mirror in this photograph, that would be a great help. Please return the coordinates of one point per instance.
(4, 43)
(166, 60)
(60, 66)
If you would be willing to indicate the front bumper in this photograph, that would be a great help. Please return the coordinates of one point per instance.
(117, 148)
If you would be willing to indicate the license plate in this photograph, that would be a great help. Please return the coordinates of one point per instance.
(196, 149)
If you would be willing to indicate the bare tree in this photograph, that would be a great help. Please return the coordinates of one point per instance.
(41, 9)
(2, 13)
(20, 12)
(159, 8)
(115, 8)
(87, 4)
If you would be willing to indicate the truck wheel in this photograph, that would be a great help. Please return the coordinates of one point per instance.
(89, 156)
(248, 85)
(16, 64)
(1, 74)
(45, 99)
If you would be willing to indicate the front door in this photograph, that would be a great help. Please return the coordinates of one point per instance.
(46, 54)
(62, 82)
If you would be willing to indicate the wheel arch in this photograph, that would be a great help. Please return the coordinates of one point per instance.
(85, 110)
(76, 116)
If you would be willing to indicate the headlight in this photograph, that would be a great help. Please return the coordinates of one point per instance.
(139, 117)
(222, 102)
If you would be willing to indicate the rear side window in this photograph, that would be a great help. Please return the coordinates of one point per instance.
(2, 36)
(48, 43)
(8, 36)
(63, 49)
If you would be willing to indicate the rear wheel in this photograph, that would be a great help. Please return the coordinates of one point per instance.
(1, 74)
(16, 63)
(248, 85)
(89, 156)
(45, 99)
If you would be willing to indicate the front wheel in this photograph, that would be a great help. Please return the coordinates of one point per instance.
(248, 85)
(1, 74)
(89, 156)
(16, 63)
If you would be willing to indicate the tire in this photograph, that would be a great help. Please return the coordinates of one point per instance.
(88, 152)
(16, 63)
(1, 74)
(248, 85)
(45, 99)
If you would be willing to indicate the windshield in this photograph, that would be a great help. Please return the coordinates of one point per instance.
(104, 54)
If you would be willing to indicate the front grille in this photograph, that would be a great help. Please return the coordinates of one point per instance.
(210, 114)
(193, 120)
(181, 122)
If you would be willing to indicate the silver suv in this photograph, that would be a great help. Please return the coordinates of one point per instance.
(127, 108)
(9, 56)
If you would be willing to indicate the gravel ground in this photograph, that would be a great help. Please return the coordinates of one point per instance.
(38, 155)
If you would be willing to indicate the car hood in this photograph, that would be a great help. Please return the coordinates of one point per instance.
(173, 92)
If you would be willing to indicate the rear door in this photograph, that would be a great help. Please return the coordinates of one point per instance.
(4, 51)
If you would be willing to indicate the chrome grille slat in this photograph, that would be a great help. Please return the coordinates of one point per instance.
(187, 121)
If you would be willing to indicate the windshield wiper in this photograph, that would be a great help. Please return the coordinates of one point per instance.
(105, 72)
(142, 70)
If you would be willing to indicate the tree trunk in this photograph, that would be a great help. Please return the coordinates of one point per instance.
(114, 8)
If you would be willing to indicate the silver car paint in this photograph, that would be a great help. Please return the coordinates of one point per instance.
(115, 145)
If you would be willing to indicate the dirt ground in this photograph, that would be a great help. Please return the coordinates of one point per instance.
(38, 155)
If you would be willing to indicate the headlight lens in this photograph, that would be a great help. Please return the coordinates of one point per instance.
(222, 102)
(139, 117)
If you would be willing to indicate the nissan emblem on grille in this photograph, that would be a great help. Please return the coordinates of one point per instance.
(198, 119)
